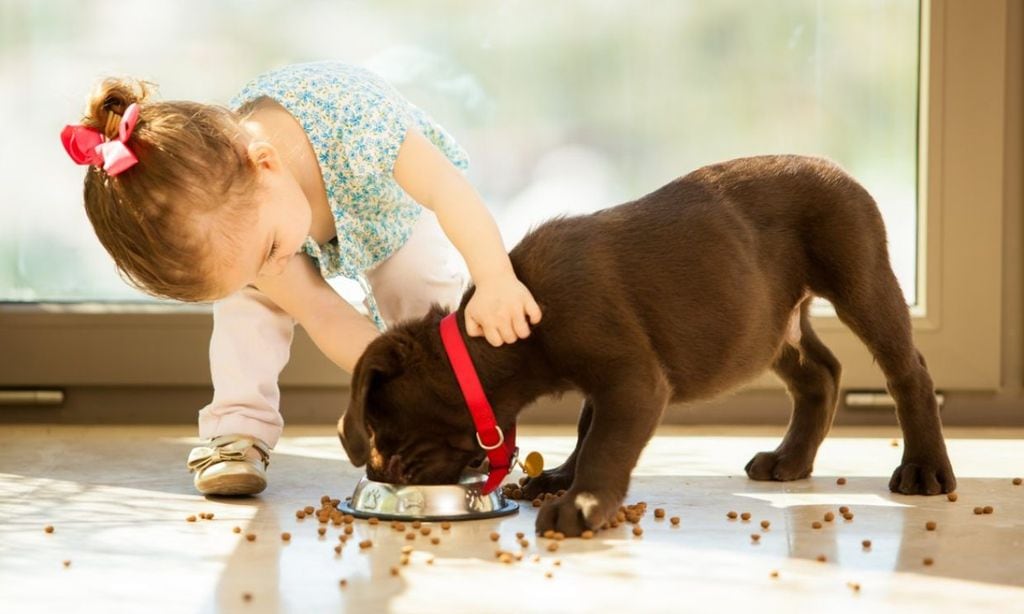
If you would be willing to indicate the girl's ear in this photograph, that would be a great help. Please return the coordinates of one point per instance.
(263, 155)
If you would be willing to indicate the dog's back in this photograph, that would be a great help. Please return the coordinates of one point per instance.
(704, 271)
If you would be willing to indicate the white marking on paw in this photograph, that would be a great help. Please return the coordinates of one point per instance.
(586, 502)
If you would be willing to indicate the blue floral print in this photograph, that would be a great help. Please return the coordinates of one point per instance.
(356, 123)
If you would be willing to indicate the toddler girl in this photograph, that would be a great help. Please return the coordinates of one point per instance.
(317, 170)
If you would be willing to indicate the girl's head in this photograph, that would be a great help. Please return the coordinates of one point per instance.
(193, 220)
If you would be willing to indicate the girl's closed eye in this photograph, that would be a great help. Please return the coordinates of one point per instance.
(273, 250)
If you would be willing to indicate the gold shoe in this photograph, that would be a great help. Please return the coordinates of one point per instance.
(230, 465)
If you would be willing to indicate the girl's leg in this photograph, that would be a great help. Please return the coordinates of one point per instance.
(426, 270)
(249, 347)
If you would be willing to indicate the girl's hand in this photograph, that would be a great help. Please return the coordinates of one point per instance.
(498, 310)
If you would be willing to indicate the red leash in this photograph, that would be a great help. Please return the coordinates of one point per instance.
(501, 450)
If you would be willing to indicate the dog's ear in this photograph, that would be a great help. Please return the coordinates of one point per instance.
(383, 359)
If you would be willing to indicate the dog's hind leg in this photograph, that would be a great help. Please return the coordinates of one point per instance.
(850, 267)
(879, 316)
(561, 477)
(811, 374)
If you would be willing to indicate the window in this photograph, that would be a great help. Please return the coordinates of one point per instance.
(565, 106)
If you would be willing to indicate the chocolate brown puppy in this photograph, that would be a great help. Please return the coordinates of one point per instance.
(680, 295)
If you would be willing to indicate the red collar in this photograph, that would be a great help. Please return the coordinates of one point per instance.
(501, 450)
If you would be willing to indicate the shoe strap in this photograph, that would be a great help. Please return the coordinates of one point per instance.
(226, 448)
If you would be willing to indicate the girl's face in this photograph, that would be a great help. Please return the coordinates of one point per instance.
(282, 223)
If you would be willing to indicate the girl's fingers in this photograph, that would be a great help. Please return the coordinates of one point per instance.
(493, 336)
(507, 334)
(521, 327)
(533, 309)
(473, 328)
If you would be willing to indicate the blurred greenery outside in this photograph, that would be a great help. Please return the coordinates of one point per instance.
(564, 107)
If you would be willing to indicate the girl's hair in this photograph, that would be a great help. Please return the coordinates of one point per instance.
(159, 218)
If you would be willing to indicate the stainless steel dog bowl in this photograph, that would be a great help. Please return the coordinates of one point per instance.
(462, 501)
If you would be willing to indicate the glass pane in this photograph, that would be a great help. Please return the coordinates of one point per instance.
(563, 106)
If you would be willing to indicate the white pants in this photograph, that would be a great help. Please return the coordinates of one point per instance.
(252, 336)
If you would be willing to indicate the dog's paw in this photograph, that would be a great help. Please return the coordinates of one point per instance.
(550, 481)
(923, 478)
(778, 467)
(575, 512)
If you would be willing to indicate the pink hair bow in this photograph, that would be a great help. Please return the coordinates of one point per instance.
(88, 146)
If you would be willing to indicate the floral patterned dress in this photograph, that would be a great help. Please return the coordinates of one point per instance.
(356, 123)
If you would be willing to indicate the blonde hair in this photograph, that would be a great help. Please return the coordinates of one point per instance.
(159, 218)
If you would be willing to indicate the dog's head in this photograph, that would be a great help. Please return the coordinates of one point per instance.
(407, 420)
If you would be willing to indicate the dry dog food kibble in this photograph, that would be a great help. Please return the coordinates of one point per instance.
(841, 481)
(236, 529)
(731, 515)
(638, 531)
(411, 535)
(552, 546)
(495, 536)
(1017, 481)
(674, 520)
(321, 530)
(446, 525)
(394, 571)
(67, 563)
(286, 536)
(250, 537)
(247, 596)
(988, 509)
(435, 540)
(745, 516)
(588, 534)
(366, 543)
(930, 525)
(822, 558)
(829, 516)
(191, 519)
(558, 536)
(951, 496)
(659, 512)
(765, 524)
(424, 531)
(866, 543)
(774, 574)
(348, 529)
(525, 543)
(815, 525)
(300, 514)
(416, 524)
(337, 549)
(48, 528)
(343, 583)
(754, 537)
(854, 586)
(520, 535)
(844, 510)
(979, 510)
(373, 520)
(309, 509)
(928, 560)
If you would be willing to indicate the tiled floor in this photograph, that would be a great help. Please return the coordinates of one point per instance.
(118, 498)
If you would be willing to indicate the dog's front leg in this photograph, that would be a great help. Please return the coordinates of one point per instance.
(624, 418)
(561, 477)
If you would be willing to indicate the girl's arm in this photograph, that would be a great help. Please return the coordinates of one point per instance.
(337, 328)
(501, 303)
